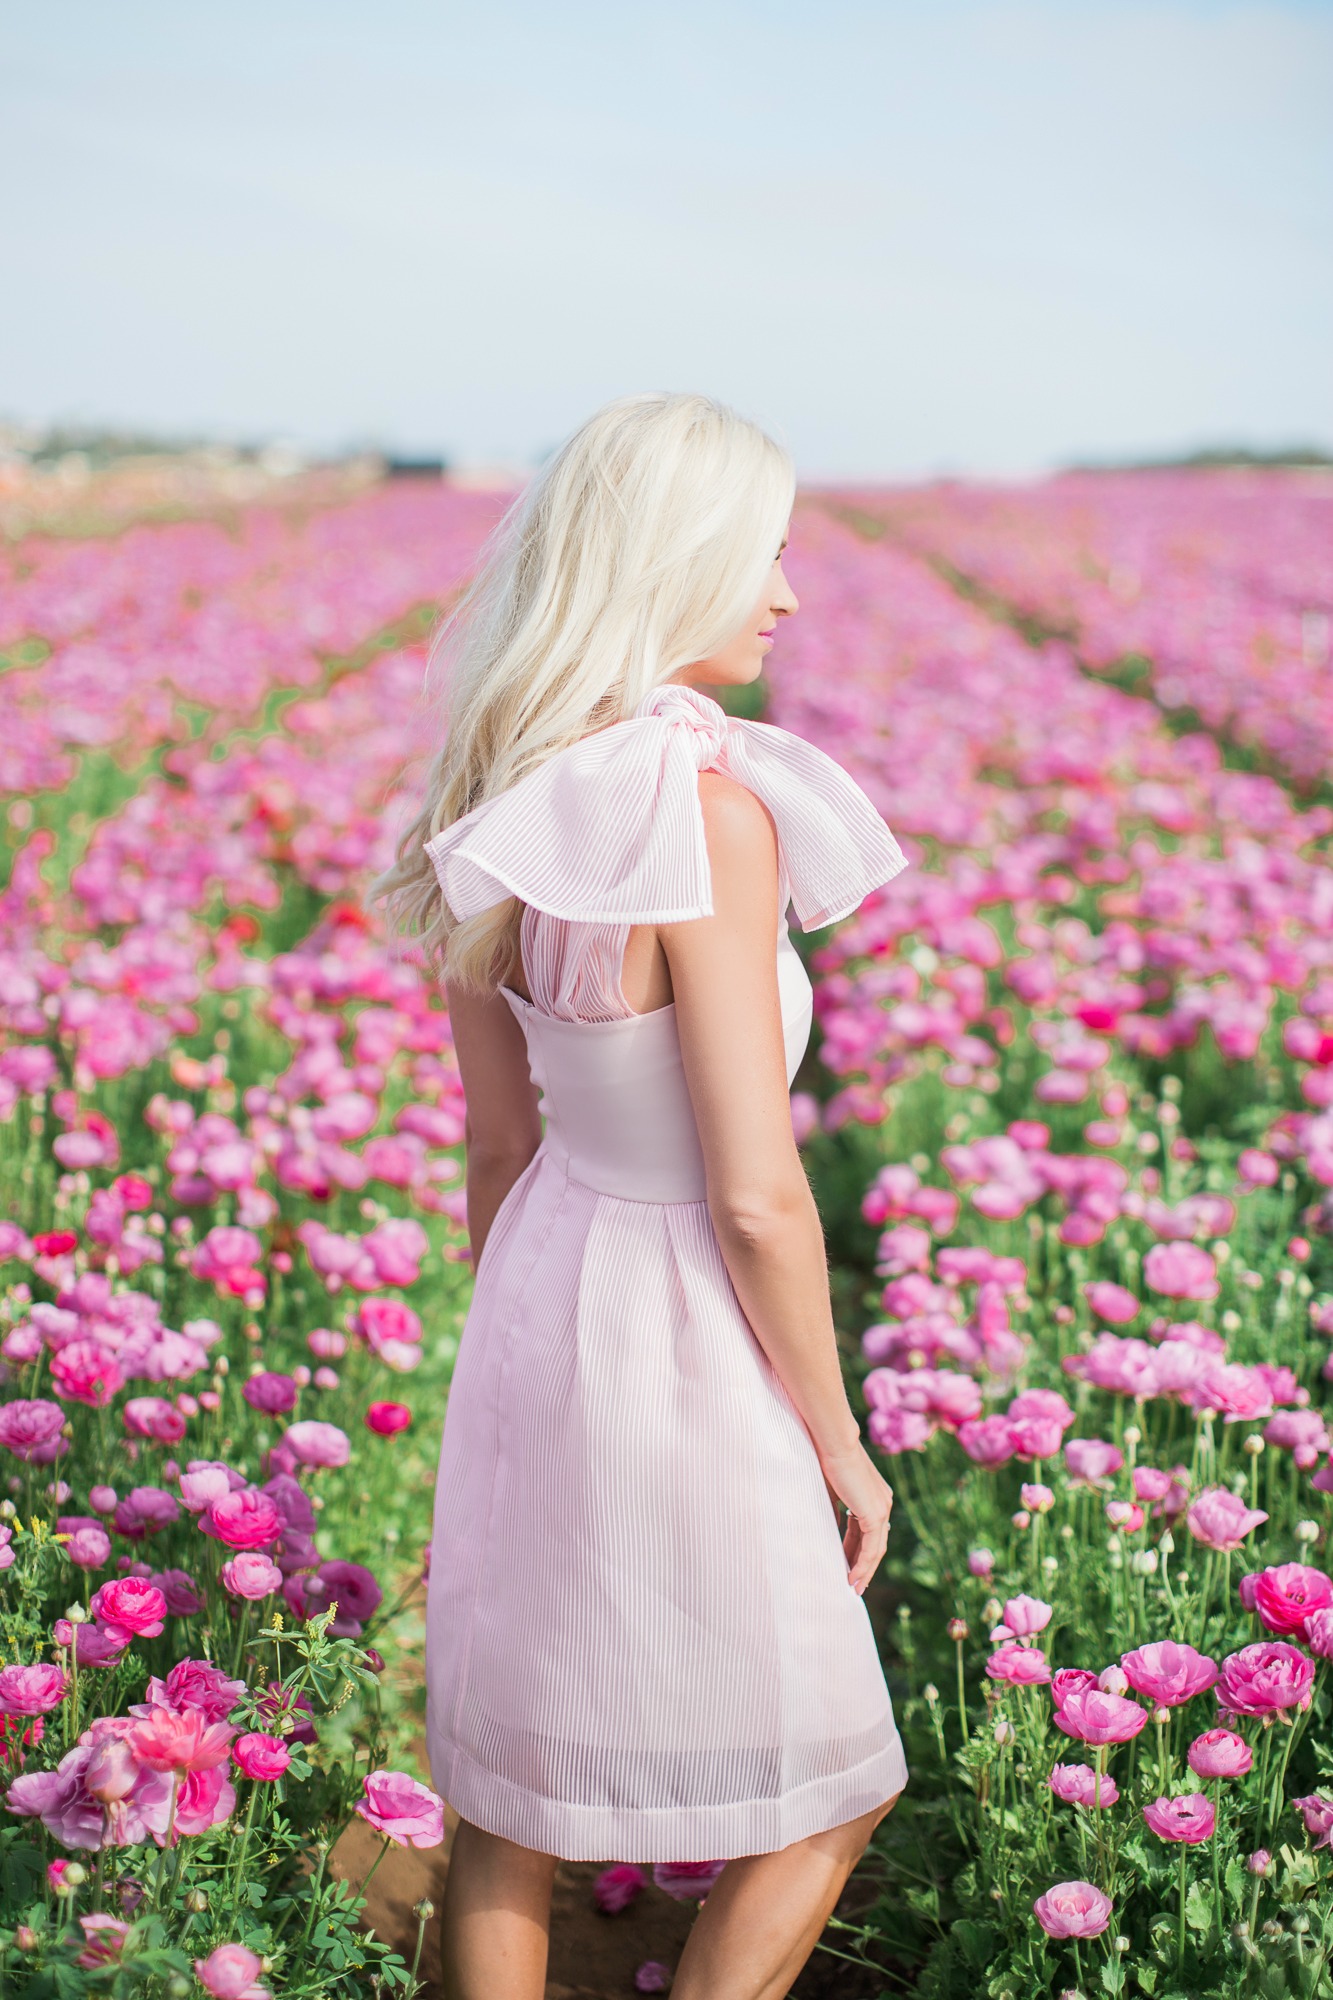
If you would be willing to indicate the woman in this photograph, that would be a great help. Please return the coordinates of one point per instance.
(646, 1639)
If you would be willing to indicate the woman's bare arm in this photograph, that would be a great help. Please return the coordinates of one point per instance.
(503, 1126)
(729, 1017)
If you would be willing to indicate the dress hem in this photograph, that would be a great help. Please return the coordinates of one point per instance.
(667, 1833)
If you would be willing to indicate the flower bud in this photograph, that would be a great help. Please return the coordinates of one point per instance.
(1004, 1731)
(25, 1938)
(957, 1628)
(1307, 1531)
(1113, 1680)
(1254, 1444)
(1260, 1862)
(1143, 1562)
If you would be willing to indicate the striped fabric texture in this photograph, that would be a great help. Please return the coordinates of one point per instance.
(641, 1642)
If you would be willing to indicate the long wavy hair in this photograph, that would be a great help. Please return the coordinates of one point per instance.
(640, 547)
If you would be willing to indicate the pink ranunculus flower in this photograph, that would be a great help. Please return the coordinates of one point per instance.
(1090, 1716)
(202, 1485)
(315, 1443)
(179, 1739)
(1022, 1666)
(204, 1799)
(387, 1419)
(104, 1940)
(1068, 1680)
(987, 1440)
(130, 1607)
(1189, 1818)
(617, 1887)
(1180, 1271)
(88, 1547)
(1073, 1910)
(1111, 1302)
(1169, 1672)
(244, 1519)
(402, 1809)
(1080, 1785)
(71, 1813)
(231, 1972)
(194, 1684)
(1219, 1753)
(1025, 1616)
(86, 1371)
(261, 1757)
(1316, 1809)
(251, 1575)
(1263, 1678)
(1088, 1461)
(31, 1690)
(272, 1393)
(153, 1417)
(31, 1428)
(1220, 1520)
(1286, 1595)
(1317, 1632)
(1034, 1437)
(686, 1881)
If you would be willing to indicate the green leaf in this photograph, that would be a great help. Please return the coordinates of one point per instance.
(1146, 1975)
(977, 1941)
(1199, 1907)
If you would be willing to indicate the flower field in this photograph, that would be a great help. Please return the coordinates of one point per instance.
(1068, 1112)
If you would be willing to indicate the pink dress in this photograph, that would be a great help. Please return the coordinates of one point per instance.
(641, 1644)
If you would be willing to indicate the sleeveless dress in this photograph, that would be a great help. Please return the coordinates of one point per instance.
(641, 1644)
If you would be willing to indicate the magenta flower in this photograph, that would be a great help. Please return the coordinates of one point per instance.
(1090, 1716)
(193, 1684)
(1220, 1753)
(386, 1419)
(251, 1575)
(1168, 1672)
(1189, 1818)
(652, 1976)
(1261, 1679)
(1022, 1666)
(1221, 1521)
(1180, 1271)
(243, 1519)
(1285, 1596)
(261, 1757)
(686, 1881)
(1317, 1632)
(31, 1690)
(402, 1809)
(1088, 1461)
(231, 1972)
(86, 1371)
(1073, 1910)
(1080, 1785)
(617, 1887)
(31, 1427)
(130, 1607)
(350, 1585)
(74, 1817)
(273, 1394)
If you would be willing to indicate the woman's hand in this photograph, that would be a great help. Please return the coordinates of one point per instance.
(853, 1482)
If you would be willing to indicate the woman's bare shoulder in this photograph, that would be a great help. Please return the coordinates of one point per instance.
(740, 830)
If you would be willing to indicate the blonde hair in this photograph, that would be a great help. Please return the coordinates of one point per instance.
(640, 547)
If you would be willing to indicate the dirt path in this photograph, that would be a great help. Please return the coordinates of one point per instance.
(593, 1957)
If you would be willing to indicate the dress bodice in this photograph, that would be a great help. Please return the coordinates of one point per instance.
(614, 1094)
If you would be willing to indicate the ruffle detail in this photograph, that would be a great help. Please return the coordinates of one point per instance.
(610, 829)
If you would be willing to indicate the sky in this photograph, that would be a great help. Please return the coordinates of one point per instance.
(912, 239)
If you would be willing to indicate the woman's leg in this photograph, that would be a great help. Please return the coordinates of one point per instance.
(496, 1925)
(763, 1916)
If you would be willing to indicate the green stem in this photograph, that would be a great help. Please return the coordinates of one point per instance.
(962, 1689)
(1180, 1932)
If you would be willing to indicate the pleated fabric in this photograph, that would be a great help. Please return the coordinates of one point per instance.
(641, 1642)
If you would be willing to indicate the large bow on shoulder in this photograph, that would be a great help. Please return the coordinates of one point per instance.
(610, 829)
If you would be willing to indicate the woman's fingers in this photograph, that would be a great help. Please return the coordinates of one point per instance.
(864, 1546)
